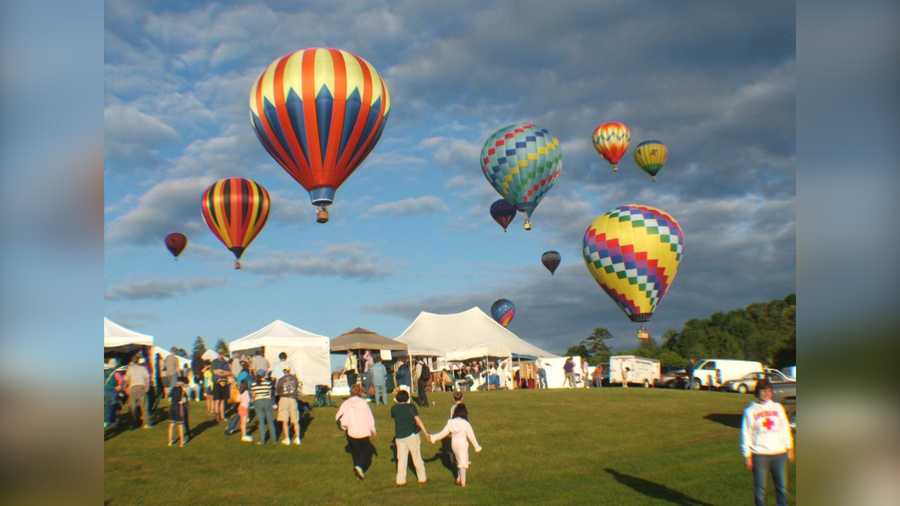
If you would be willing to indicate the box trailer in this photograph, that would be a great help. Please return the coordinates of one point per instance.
(641, 371)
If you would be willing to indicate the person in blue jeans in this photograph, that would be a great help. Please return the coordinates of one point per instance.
(404, 376)
(262, 403)
(110, 394)
(379, 379)
(767, 444)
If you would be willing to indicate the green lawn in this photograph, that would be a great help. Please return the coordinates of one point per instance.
(604, 446)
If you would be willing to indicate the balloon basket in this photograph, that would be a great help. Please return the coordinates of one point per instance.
(527, 225)
(322, 215)
(615, 169)
(237, 265)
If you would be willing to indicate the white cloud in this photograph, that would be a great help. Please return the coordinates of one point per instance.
(352, 261)
(160, 288)
(132, 133)
(427, 204)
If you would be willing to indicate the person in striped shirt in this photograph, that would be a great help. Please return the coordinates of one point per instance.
(262, 402)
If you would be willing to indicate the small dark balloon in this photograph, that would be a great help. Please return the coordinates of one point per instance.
(503, 213)
(175, 243)
(551, 260)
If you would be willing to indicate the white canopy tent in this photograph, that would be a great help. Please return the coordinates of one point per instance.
(115, 336)
(466, 335)
(308, 353)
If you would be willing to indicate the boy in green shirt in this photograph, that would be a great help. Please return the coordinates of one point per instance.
(406, 433)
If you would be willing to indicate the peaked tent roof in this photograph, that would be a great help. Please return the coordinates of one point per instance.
(277, 333)
(468, 334)
(116, 335)
(364, 339)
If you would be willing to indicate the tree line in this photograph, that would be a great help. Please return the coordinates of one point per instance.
(764, 331)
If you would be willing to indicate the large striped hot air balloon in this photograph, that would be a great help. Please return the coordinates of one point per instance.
(650, 156)
(319, 112)
(236, 210)
(522, 162)
(633, 253)
(611, 141)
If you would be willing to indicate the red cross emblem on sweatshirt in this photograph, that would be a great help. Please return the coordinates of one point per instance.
(768, 424)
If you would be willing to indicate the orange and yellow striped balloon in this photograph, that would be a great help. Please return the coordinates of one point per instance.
(611, 141)
(236, 210)
(633, 253)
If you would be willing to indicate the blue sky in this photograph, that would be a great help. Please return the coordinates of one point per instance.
(410, 229)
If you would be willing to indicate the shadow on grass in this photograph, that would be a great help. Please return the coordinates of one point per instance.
(730, 419)
(201, 427)
(655, 490)
(445, 455)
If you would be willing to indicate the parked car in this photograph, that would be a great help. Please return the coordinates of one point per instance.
(747, 383)
(716, 371)
(785, 392)
(673, 377)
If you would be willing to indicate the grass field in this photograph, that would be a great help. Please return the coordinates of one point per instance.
(605, 446)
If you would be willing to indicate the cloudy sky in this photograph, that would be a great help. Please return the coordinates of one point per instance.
(410, 230)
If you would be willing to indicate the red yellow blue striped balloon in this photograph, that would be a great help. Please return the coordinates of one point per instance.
(319, 112)
(650, 156)
(633, 253)
(611, 141)
(236, 210)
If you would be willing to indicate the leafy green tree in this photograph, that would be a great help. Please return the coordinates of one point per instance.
(579, 350)
(221, 347)
(199, 347)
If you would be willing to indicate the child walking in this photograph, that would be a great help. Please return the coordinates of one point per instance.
(461, 434)
(244, 410)
(457, 400)
(178, 411)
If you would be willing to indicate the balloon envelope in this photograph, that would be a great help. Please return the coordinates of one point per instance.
(522, 162)
(503, 311)
(175, 243)
(633, 252)
(319, 112)
(503, 213)
(551, 260)
(236, 210)
(650, 156)
(611, 141)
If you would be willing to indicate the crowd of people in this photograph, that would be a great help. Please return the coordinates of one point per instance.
(242, 382)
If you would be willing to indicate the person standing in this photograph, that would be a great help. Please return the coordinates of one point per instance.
(110, 393)
(379, 379)
(208, 389)
(244, 409)
(584, 373)
(351, 368)
(262, 403)
(404, 377)
(625, 375)
(689, 382)
(137, 381)
(221, 372)
(279, 366)
(767, 444)
(355, 418)
(178, 407)
(598, 376)
(542, 376)
(288, 390)
(406, 435)
(169, 371)
(461, 434)
(424, 379)
(569, 369)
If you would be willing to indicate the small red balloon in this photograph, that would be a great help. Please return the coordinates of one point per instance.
(175, 243)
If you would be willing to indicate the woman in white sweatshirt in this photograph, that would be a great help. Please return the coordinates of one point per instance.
(767, 444)
(461, 434)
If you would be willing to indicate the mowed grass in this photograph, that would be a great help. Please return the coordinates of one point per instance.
(597, 446)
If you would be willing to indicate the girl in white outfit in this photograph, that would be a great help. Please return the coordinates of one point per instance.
(461, 434)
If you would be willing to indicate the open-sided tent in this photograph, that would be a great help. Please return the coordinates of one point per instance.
(116, 336)
(467, 335)
(364, 339)
(307, 352)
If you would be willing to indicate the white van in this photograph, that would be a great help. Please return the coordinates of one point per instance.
(705, 371)
(642, 371)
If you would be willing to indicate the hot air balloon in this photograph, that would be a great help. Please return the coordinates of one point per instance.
(633, 253)
(611, 141)
(236, 209)
(551, 260)
(650, 156)
(175, 243)
(503, 213)
(319, 112)
(503, 311)
(522, 162)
